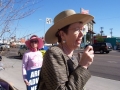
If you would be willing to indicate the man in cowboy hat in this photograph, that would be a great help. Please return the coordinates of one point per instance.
(61, 70)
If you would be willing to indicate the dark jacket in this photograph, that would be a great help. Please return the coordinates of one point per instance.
(59, 72)
(0, 58)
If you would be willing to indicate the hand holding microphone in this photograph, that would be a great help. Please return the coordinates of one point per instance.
(87, 57)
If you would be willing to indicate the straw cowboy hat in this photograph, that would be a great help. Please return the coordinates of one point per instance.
(34, 37)
(65, 18)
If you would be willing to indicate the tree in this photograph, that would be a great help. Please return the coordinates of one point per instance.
(11, 10)
(99, 38)
(88, 37)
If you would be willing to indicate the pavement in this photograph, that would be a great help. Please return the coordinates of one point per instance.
(13, 72)
(98, 83)
(13, 75)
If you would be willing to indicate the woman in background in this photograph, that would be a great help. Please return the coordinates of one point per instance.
(33, 58)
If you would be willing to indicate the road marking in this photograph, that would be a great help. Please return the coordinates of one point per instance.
(112, 61)
(108, 55)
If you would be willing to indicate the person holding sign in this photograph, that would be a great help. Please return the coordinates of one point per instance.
(61, 70)
(32, 59)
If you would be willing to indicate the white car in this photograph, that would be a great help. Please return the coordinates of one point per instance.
(4, 46)
(22, 50)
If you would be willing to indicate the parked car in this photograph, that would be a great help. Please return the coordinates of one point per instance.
(102, 47)
(23, 49)
(4, 46)
(118, 47)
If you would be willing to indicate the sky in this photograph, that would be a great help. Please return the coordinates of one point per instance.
(106, 14)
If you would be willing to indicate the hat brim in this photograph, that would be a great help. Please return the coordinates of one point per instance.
(50, 34)
(40, 43)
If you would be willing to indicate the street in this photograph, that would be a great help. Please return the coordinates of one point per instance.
(104, 65)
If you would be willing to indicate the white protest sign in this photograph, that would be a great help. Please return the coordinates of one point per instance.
(33, 78)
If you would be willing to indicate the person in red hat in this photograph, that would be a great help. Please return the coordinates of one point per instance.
(33, 58)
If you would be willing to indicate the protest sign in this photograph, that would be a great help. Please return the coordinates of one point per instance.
(33, 78)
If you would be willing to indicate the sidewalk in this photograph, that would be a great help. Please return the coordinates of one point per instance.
(13, 74)
(98, 83)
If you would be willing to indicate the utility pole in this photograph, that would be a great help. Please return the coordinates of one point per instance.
(44, 26)
(101, 30)
(111, 31)
(48, 21)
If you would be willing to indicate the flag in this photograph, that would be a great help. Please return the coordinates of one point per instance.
(48, 20)
(83, 11)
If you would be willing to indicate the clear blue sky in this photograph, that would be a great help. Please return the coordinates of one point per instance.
(106, 14)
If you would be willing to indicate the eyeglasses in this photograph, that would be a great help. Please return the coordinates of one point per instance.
(78, 30)
(33, 41)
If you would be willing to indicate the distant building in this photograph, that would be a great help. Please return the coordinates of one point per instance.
(115, 41)
(22, 40)
(95, 38)
(90, 33)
